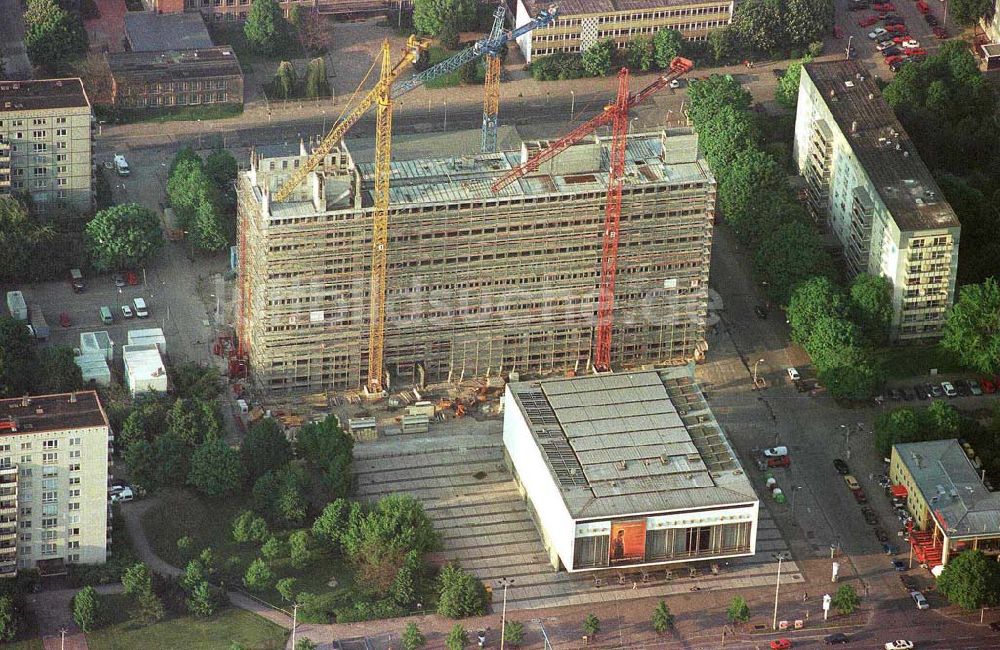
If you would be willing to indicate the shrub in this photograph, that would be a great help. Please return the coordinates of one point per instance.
(460, 593)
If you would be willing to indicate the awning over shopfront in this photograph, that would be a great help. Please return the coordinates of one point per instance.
(899, 491)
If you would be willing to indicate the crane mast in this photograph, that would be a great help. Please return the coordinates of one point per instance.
(491, 87)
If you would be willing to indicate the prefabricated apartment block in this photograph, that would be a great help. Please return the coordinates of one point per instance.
(478, 283)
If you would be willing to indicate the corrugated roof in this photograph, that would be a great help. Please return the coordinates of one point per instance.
(951, 487)
(619, 444)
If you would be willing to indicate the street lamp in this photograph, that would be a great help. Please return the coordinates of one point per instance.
(572, 104)
(445, 117)
(504, 582)
(758, 362)
(777, 585)
(295, 616)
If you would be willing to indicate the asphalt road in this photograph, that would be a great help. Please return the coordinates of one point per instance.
(15, 58)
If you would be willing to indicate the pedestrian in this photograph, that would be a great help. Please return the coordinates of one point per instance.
(805, 596)
(635, 585)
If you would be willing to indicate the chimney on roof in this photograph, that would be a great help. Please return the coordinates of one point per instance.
(871, 96)
(833, 93)
(622, 465)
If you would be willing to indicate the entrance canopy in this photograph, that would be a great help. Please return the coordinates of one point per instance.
(899, 491)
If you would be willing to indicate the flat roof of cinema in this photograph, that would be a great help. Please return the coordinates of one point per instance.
(632, 443)
(649, 158)
(42, 94)
(42, 413)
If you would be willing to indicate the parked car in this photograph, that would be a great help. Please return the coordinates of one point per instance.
(936, 390)
(793, 374)
(919, 600)
(893, 54)
(838, 638)
(931, 20)
(867, 21)
(917, 53)
(121, 165)
(779, 461)
(127, 311)
(781, 644)
(922, 7)
(884, 6)
(870, 517)
(64, 319)
(995, 626)
(988, 386)
(895, 394)
(948, 389)
(899, 29)
(675, 83)
(774, 452)
(896, 66)
(881, 536)
(899, 565)
(974, 388)
(908, 395)
(910, 44)
(841, 467)
(899, 644)
(119, 280)
(889, 549)
(132, 278)
(760, 311)
(939, 32)
(875, 33)
(126, 494)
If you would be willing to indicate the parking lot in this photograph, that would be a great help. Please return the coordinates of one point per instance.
(857, 25)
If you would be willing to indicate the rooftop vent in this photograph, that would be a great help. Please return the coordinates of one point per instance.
(854, 126)
(871, 96)
(849, 84)
(622, 465)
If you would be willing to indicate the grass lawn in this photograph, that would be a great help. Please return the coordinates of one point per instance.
(189, 633)
(905, 361)
(175, 114)
(438, 54)
(27, 644)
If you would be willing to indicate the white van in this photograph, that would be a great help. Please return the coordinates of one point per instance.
(121, 165)
(140, 307)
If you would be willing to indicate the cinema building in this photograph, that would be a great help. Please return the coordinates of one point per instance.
(627, 470)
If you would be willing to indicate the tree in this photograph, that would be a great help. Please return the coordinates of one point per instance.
(194, 421)
(871, 306)
(286, 587)
(280, 496)
(513, 633)
(815, 298)
(858, 378)
(790, 254)
(753, 179)
(85, 608)
(639, 53)
(412, 638)
(448, 35)
(317, 84)
(8, 619)
(663, 620)
(202, 601)
(273, 548)
(285, 81)
(16, 358)
(184, 546)
(197, 202)
(457, 638)
(738, 611)
(460, 594)
(725, 135)
(148, 609)
(221, 167)
(722, 43)
(57, 371)
(300, 549)
(331, 522)
(968, 12)
(21, 238)
(940, 420)
(971, 580)
(787, 91)
(980, 221)
(122, 236)
(591, 626)
(173, 459)
(972, 330)
(215, 469)
(431, 16)
(807, 20)
(305, 644)
(143, 465)
(53, 36)
(265, 27)
(315, 35)
(205, 228)
(196, 380)
(760, 24)
(895, 427)
(667, 44)
(137, 579)
(597, 58)
(403, 589)
(265, 448)
(328, 449)
(830, 340)
(258, 576)
(394, 526)
(846, 600)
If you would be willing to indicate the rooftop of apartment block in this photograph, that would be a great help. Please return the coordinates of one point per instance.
(148, 31)
(882, 146)
(632, 442)
(578, 7)
(60, 412)
(951, 487)
(176, 64)
(42, 94)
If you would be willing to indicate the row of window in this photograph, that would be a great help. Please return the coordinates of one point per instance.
(139, 101)
(184, 86)
(37, 121)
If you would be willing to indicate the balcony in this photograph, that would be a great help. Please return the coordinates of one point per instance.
(8, 569)
(8, 507)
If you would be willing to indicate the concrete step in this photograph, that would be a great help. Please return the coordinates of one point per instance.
(491, 531)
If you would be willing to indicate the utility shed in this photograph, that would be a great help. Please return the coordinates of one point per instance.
(629, 469)
(94, 368)
(152, 335)
(144, 369)
(97, 342)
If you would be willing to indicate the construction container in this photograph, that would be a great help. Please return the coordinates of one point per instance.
(144, 369)
(38, 323)
(97, 342)
(415, 424)
(16, 306)
(361, 426)
(152, 335)
(94, 368)
(421, 408)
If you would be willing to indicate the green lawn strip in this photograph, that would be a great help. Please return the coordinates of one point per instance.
(26, 644)
(168, 114)
(186, 632)
(907, 361)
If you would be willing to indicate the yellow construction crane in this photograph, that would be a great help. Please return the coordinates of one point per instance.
(414, 46)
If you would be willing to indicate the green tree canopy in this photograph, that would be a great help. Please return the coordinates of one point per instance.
(663, 620)
(53, 36)
(23, 240)
(265, 28)
(331, 522)
(194, 421)
(221, 167)
(790, 254)
(457, 638)
(215, 469)
(137, 579)
(317, 84)
(265, 448)
(708, 96)
(760, 24)
(300, 549)
(591, 625)
(871, 306)
(285, 84)
(148, 609)
(725, 135)
(57, 371)
(513, 633)
(968, 12)
(431, 16)
(972, 331)
(597, 58)
(328, 450)
(807, 20)
(971, 580)
(815, 298)
(830, 340)
(412, 638)
(667, 44)
(186, 154)
(258, 576)
(787, 91)
(280, 495)
(123, 236)
(753, 179)
(980, 219)
(198, 204)
(894, 427)
(203, 600)
(460, 594)
(17, 358)
(738, 610)
(86, 608)
(846, 600)
(639, 53)
(8, 619)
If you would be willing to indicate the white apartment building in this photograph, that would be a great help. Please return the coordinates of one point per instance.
(46, 127)
(628, 469)
(54, 459)
(866, 179)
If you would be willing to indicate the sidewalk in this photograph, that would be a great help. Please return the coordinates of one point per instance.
(54, 616)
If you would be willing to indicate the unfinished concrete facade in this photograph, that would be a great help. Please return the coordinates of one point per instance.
(479, 284)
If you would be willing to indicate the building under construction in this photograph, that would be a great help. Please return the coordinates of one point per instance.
(479, 283)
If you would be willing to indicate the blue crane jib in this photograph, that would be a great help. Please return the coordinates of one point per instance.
(491, 45)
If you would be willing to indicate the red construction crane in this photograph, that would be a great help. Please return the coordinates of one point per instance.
(617, 115)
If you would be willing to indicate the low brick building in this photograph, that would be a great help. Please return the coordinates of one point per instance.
(153, 80)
